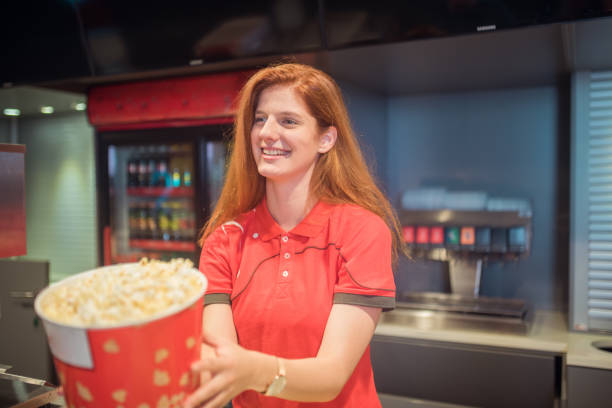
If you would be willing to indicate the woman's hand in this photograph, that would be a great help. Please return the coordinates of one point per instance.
(230, 369)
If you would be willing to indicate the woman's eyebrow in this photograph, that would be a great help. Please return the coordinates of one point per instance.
(290, 113)
(282, 113)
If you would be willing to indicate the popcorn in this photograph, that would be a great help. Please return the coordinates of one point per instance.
(122, 294)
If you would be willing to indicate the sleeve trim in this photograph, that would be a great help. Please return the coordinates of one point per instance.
(213, 298)
(385, 302)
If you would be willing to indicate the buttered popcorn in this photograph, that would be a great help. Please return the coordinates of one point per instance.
(123, 293)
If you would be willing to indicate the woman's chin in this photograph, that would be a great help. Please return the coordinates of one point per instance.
(270, 174)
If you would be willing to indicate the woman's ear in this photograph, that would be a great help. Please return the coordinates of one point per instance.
(328, 139)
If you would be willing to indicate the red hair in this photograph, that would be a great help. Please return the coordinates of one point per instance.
(340, 176)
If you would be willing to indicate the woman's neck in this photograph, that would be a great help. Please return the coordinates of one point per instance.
(288, 204)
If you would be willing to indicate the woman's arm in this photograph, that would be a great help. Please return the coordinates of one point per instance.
(218, 321)
(347, 334)
(234, 369)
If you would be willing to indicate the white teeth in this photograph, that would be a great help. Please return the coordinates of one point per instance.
(274, 152)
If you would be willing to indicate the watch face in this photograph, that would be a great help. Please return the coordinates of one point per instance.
(277, 386)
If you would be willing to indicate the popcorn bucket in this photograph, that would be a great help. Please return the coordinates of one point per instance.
(139, 364)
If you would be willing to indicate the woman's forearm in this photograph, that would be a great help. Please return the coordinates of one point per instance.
(315, 379)
(322, 378)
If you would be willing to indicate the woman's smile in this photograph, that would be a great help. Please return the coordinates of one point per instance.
(267, 151)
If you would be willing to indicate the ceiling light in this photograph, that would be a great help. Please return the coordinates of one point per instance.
(46, 109)
(12, 112)
(81, 106)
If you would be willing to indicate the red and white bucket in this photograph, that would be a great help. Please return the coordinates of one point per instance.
(143, 364)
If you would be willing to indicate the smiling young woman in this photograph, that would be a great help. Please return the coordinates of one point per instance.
(340, 176)
(297, 253)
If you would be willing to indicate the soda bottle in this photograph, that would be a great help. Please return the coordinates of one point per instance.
(175, 225)
(183, 222)
(143, 177)
(187, 166)
(164, 222)
(151, 172)
(152, 221)
(176, 177)
(187, 178)
(163, 173)
(133, 221)
(142, 222)
(132, 172)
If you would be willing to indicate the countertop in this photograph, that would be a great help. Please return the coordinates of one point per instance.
(548, 332)
(581, 353)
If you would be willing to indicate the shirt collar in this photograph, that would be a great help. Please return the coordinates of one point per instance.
(310, 226)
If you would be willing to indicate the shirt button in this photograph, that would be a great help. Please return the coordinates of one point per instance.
(285, 274)
(285, 238)
(255, 235)
(287, 255)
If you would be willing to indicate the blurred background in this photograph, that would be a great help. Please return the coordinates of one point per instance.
(486, 122)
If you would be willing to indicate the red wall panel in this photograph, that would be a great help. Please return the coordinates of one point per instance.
(12, 204)
(210, 98)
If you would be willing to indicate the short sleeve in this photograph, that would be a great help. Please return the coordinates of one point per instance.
(216, 266)
(365, 276)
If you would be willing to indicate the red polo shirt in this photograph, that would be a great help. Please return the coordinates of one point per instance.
(282, 285)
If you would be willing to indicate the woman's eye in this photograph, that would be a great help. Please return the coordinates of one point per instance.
(288, 121)
(260, 119)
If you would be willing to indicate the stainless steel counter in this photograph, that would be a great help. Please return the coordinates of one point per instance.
(547, 331)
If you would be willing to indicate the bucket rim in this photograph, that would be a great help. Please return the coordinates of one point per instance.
(124, 324)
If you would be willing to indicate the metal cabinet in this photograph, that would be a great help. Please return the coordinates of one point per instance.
(23, 344)
(466, 374)
(588, 387)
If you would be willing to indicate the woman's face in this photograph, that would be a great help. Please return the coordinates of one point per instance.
(285, 137)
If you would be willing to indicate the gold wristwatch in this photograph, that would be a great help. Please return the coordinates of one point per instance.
(278, 383)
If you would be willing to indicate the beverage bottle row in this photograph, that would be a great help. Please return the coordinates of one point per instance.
(168, 221)
(159, 168)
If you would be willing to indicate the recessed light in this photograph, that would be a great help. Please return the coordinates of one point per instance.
(81, 106)
(46, 110)
(12, 112)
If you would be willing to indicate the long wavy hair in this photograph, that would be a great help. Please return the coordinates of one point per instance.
(340, 176)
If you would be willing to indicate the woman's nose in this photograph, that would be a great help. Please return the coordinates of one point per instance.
(268, 130)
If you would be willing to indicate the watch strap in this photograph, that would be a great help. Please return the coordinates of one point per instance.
(279, 381)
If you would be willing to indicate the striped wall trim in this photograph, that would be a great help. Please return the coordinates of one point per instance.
(594, 198)
(384, 302)
(212, 298)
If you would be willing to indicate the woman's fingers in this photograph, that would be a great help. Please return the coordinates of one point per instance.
(214, 389)
(223, 374)
(210, 364)
(205, 376)
(219, 401)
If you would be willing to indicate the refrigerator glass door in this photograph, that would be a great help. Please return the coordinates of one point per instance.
(151, 201)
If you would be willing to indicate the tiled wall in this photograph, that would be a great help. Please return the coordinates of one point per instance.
(60, 192)
(5, 131)
(368, 112)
